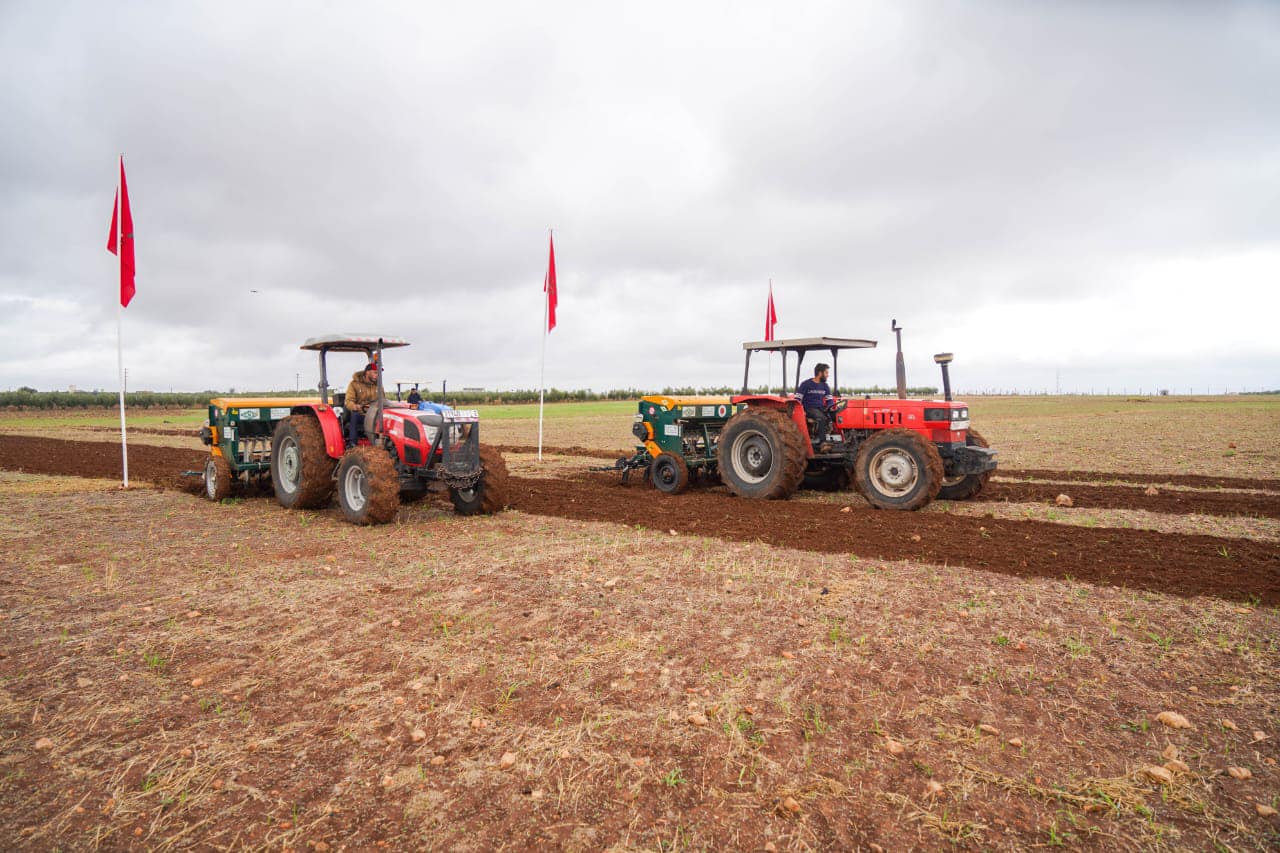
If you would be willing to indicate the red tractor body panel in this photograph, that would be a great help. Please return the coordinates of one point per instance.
(939, 421)
(334, 443)
(788, 404)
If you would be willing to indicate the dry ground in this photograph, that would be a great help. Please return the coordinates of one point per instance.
(177, 673)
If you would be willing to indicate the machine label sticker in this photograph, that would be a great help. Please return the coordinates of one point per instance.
(651, 410)
(279, 414)
(708, 411)
(688, 411)
(248, 414)
(671, 429)
(722, 411)
(231, 433)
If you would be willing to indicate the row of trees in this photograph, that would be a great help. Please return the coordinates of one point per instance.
(30, 398)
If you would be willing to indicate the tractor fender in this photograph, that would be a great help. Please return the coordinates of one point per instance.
(789, 405)
(334, 442)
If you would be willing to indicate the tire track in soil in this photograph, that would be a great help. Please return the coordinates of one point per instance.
(1185, 565)
(1088, 496)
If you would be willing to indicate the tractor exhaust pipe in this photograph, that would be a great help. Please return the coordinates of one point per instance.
(943, 359)
(902, 368)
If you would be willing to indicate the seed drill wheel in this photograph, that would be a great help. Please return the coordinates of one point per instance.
(966, 486)
(217, 478)
(368, 486)
(898, 469)
(301, 470)
(761, 454)
(669, 474)
(489, 494)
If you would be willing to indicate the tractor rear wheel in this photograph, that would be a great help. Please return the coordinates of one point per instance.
(489, 494)
(898, 469)
(967, 485)
(761, 454)
(669, 474)
(368, 486)
(301, 470)
(218, 477)
(830, 478)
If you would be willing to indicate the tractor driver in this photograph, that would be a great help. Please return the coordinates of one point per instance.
(815, 395)
(361, 393)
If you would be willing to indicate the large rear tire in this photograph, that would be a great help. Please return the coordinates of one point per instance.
(898, 469)
(489, 494)
(966, 486)
(301, 470)
(761, 454)
(218, 478)
(368, 486)
(669, 474)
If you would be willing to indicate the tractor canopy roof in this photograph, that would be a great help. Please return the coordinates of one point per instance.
(808, 344)
(352, 343)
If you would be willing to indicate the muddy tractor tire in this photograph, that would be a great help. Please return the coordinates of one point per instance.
(761, 454)
(966, 486)
(301, 470)
(898, 469)
(830, 478)
(489, 494)
(669, 474)
(368, 486)
(218, 478)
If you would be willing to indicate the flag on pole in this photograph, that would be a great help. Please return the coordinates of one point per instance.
(124, 229)
(549, 287)
(770, 315)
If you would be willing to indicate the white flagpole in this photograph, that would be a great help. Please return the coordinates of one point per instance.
(124, 446)
(542, 379)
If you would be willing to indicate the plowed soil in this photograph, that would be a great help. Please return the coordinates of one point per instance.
(1196, 481)
(1134, 497)
(1170, 563)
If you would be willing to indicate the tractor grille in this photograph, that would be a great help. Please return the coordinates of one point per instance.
(886, 418)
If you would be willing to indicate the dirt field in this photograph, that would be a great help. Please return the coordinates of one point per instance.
(604, 667)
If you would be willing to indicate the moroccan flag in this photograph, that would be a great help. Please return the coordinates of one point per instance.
(125, 232)
(549, 287)
(770, 316)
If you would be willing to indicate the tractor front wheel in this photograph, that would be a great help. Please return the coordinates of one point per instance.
(368, 486)
(218, 477)
(669, 474)
(489, 494)
(967, 485)
(761, 454)
(301, 469)
(898, 469)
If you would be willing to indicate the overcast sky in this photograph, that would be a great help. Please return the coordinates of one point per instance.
(1090, 189)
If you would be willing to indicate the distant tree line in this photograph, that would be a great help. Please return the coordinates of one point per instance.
(30, 398)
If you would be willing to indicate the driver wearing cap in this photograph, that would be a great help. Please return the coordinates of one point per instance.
(362, 392)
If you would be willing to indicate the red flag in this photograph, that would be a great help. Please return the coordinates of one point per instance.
(549, 287)
(125, 231)
(770, 316)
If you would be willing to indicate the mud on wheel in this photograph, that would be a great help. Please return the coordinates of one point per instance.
(898, 469)
(218, 477)
(301, 470)
(489, 494)
(967, 485)
(761, 454)
(669, 473)
(368, 486)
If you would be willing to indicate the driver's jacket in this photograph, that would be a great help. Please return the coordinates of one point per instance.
(360, 393)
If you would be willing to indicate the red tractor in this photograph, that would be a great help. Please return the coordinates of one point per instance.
(405, 452)
(900, 453)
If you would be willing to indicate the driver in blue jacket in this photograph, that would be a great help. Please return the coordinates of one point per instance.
(815, 395)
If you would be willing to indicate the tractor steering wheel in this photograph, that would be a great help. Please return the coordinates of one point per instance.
(839, 407)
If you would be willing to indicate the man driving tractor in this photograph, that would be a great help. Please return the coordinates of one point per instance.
(815, 395)
(362, 391)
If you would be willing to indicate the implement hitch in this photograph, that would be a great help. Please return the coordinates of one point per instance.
(640, 461)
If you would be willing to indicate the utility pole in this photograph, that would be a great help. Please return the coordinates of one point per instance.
(297, 382)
